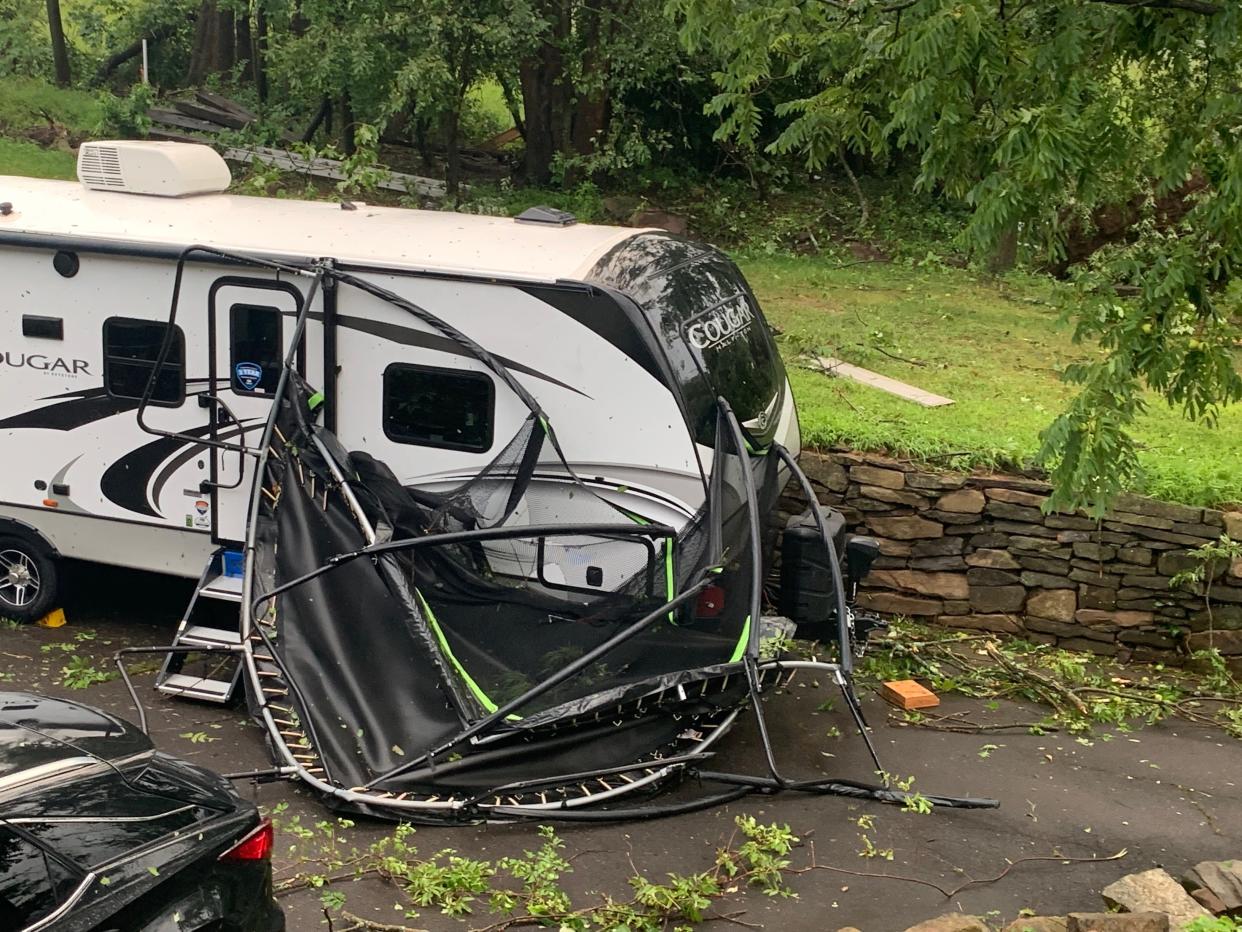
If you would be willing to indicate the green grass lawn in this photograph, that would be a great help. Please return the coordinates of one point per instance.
(20, 157)
(995, 348)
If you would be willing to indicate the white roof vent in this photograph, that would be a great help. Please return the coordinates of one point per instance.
(167, 169)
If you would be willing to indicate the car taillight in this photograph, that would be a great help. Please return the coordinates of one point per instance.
(257, 846)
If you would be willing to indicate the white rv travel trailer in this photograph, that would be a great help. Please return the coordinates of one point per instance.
(598, 322)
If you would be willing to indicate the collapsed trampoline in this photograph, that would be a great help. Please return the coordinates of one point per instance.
(508, 648)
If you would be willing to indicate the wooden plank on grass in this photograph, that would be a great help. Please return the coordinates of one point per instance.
(201, 111)
(224, 103)
(331, 168)
(882, 382)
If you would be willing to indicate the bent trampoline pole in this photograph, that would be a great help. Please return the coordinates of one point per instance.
(484, 724)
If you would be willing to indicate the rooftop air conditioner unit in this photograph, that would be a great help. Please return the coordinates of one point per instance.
(166, 169)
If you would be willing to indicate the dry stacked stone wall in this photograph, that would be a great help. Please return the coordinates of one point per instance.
(978, 552)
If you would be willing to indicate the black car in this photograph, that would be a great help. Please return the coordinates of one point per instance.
(100, 831)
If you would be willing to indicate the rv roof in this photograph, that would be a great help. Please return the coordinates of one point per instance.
(382, 236)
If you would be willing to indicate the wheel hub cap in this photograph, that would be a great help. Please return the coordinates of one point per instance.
(19, 579)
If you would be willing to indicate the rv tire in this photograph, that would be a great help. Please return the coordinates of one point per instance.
(28, 580)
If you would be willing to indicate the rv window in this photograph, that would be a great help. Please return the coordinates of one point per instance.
(446, 408)
(256, 348)
(131, 348)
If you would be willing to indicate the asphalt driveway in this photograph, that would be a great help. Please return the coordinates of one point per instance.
(1168, 795)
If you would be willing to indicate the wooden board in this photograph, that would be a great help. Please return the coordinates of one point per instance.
(201, 111)
(180, 120)
(907, 694)
(882, 382)
(223, 103)
(330, 168)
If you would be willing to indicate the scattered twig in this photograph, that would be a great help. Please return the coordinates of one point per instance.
(880, 349)
(1044, 857)
(372, 926)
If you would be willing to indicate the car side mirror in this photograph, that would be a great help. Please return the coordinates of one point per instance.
(860, 554)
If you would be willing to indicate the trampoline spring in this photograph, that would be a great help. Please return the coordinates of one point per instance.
(543, 797)
(703, 692)
(514, 801)
(626, 777)
(273, 453)
(268, 672)
(263, 658)
(604, 783)
(274, 498)
(276, 427)
(398, 796)
(276, 692)
(301, 474)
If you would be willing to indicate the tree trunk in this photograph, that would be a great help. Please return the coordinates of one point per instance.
(348, 145)
(1006, 254)
(452, 162)
(60, 51)
(544, 96)
(226, 42)
(243, 44)
(203, 51)
(133, 50)
(422, 143)
(258, 53)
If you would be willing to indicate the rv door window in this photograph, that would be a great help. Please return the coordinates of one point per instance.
(255, 348)
(447, 408)
(131, 348)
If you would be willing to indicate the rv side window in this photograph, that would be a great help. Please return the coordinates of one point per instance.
(131, 348)
(255, 353)
(447, 408)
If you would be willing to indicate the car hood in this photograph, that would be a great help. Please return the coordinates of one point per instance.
(43, 738)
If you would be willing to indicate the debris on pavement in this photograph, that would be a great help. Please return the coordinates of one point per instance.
(909, 695)
(1220, 883)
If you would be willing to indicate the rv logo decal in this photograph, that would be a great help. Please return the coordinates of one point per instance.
(720, 326)
(54, 365)
(249, 375)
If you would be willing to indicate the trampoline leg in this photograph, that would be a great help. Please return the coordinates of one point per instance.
(851, 701)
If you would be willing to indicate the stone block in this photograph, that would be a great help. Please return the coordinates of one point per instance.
(1016, 497)
(909, 527)
(891, 603)
(1233, 524)
(1117, 922)
(967, 529)
(1140, 505)
(952, 517)
(1154, 891)
(957, 608)
(1136, 520)
(1002, 624)
(1073, 537)
(1222, 878)
(873, 475)
(1045, 565)
(1086, 645)
(1014, 512)
(1095, 578)
(1046, 581)
(988, 599)
(1228, 643)
(1027, 530)
(1012, 482)
(934, 481)
(1147, 639)
(1135, 581)
(1037, 924)
(1056, 604)
(1128, 532)
(894, 548)
(1221, 617)
(1206, 532)
(942, 585)
(951, 922)
(938, 564)
(1060, 629)
(870, 505)
(1137, 555)
(1177, 561)
(991, 559)
(1070, 523)
(938, 547)
(966, 501)
(984, 576)
(825, 472)
(892, 496)
(1100, 597)
(1038, 637)
(1122, 619)
(1097, 552)
(1020, 544)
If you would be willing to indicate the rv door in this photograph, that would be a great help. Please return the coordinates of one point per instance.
(252, 324)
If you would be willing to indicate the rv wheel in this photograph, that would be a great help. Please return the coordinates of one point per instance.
(27, 579)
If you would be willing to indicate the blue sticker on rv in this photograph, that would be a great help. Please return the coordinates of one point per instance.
(248, 375)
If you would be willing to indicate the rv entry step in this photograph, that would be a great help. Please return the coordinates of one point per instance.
(199, 667)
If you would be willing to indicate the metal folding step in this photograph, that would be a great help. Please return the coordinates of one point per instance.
(209, 668)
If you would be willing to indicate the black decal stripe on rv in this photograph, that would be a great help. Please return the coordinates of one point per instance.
(124, 483)
(408, 336)
(77, 409)
(599, 314)
(198, 449)
(71, 414)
